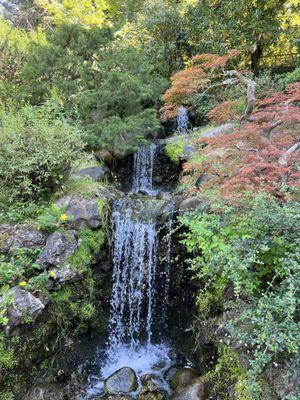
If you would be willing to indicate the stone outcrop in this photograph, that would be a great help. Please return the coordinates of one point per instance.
(21, 304)
(20, 236)
(59, 246)
(82, 212)
(97, 174)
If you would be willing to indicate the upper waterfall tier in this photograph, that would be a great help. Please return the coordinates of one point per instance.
(144, 160)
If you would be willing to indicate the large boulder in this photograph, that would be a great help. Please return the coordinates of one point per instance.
(196, 390)
(20, 236)
(82, 212)
(122, 381)
(59, 246)
(182, 377)
(95, 173)
(21, 303)
(192, 204)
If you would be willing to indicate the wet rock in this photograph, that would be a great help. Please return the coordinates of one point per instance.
(203, 178)
(196, 390)
(192, 203)
(168, 375)
(122, 381)
(59, 246)
(20, 236)
(82, 212)
(45, 393)
(97, 174)
(21, 303)
(150, 390)
(182, 377)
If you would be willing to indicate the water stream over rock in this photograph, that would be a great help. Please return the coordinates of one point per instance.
(144, 160)
(139, 302)
(182, 120)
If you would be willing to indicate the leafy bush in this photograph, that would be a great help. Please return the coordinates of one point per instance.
(18, 268)
(36, 153)
(256, 251)
(123, 134)
(290, 77)
(175, 149)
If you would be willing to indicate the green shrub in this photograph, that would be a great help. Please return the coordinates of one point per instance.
(290, 77)
(36, 153)
(257, 251)
(175, 149)
(37, 150)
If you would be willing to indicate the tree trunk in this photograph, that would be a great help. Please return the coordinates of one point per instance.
(255, 57)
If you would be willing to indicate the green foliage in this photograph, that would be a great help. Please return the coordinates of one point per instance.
(71, 306)
(290, 77)
(19, 266)
(126, 134)
(175, 149)
(6, 355)
(52, 218)
(257, 251)
(90, 243)
(109, 88)
(228, 373)
(252, 27)
(35, 158)
(7, 396)
(19, 212)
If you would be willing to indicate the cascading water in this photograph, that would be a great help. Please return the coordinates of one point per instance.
(139, 302)
(134, 263)
(144, 160)
(182, 120)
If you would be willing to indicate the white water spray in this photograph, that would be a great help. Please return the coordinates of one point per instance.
(144, 160)
(182, 120)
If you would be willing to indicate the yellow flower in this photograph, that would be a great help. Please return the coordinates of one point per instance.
(52, 274)
(63, 217)
(22, 284)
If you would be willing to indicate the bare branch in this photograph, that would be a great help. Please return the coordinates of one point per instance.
(251, 86)
(284, 158)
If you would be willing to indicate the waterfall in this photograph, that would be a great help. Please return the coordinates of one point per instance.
(166, 272)
(141, 279)
(134, 267)
(144, 160)
(182, 120)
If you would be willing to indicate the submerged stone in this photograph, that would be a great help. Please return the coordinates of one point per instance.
(122, 381)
